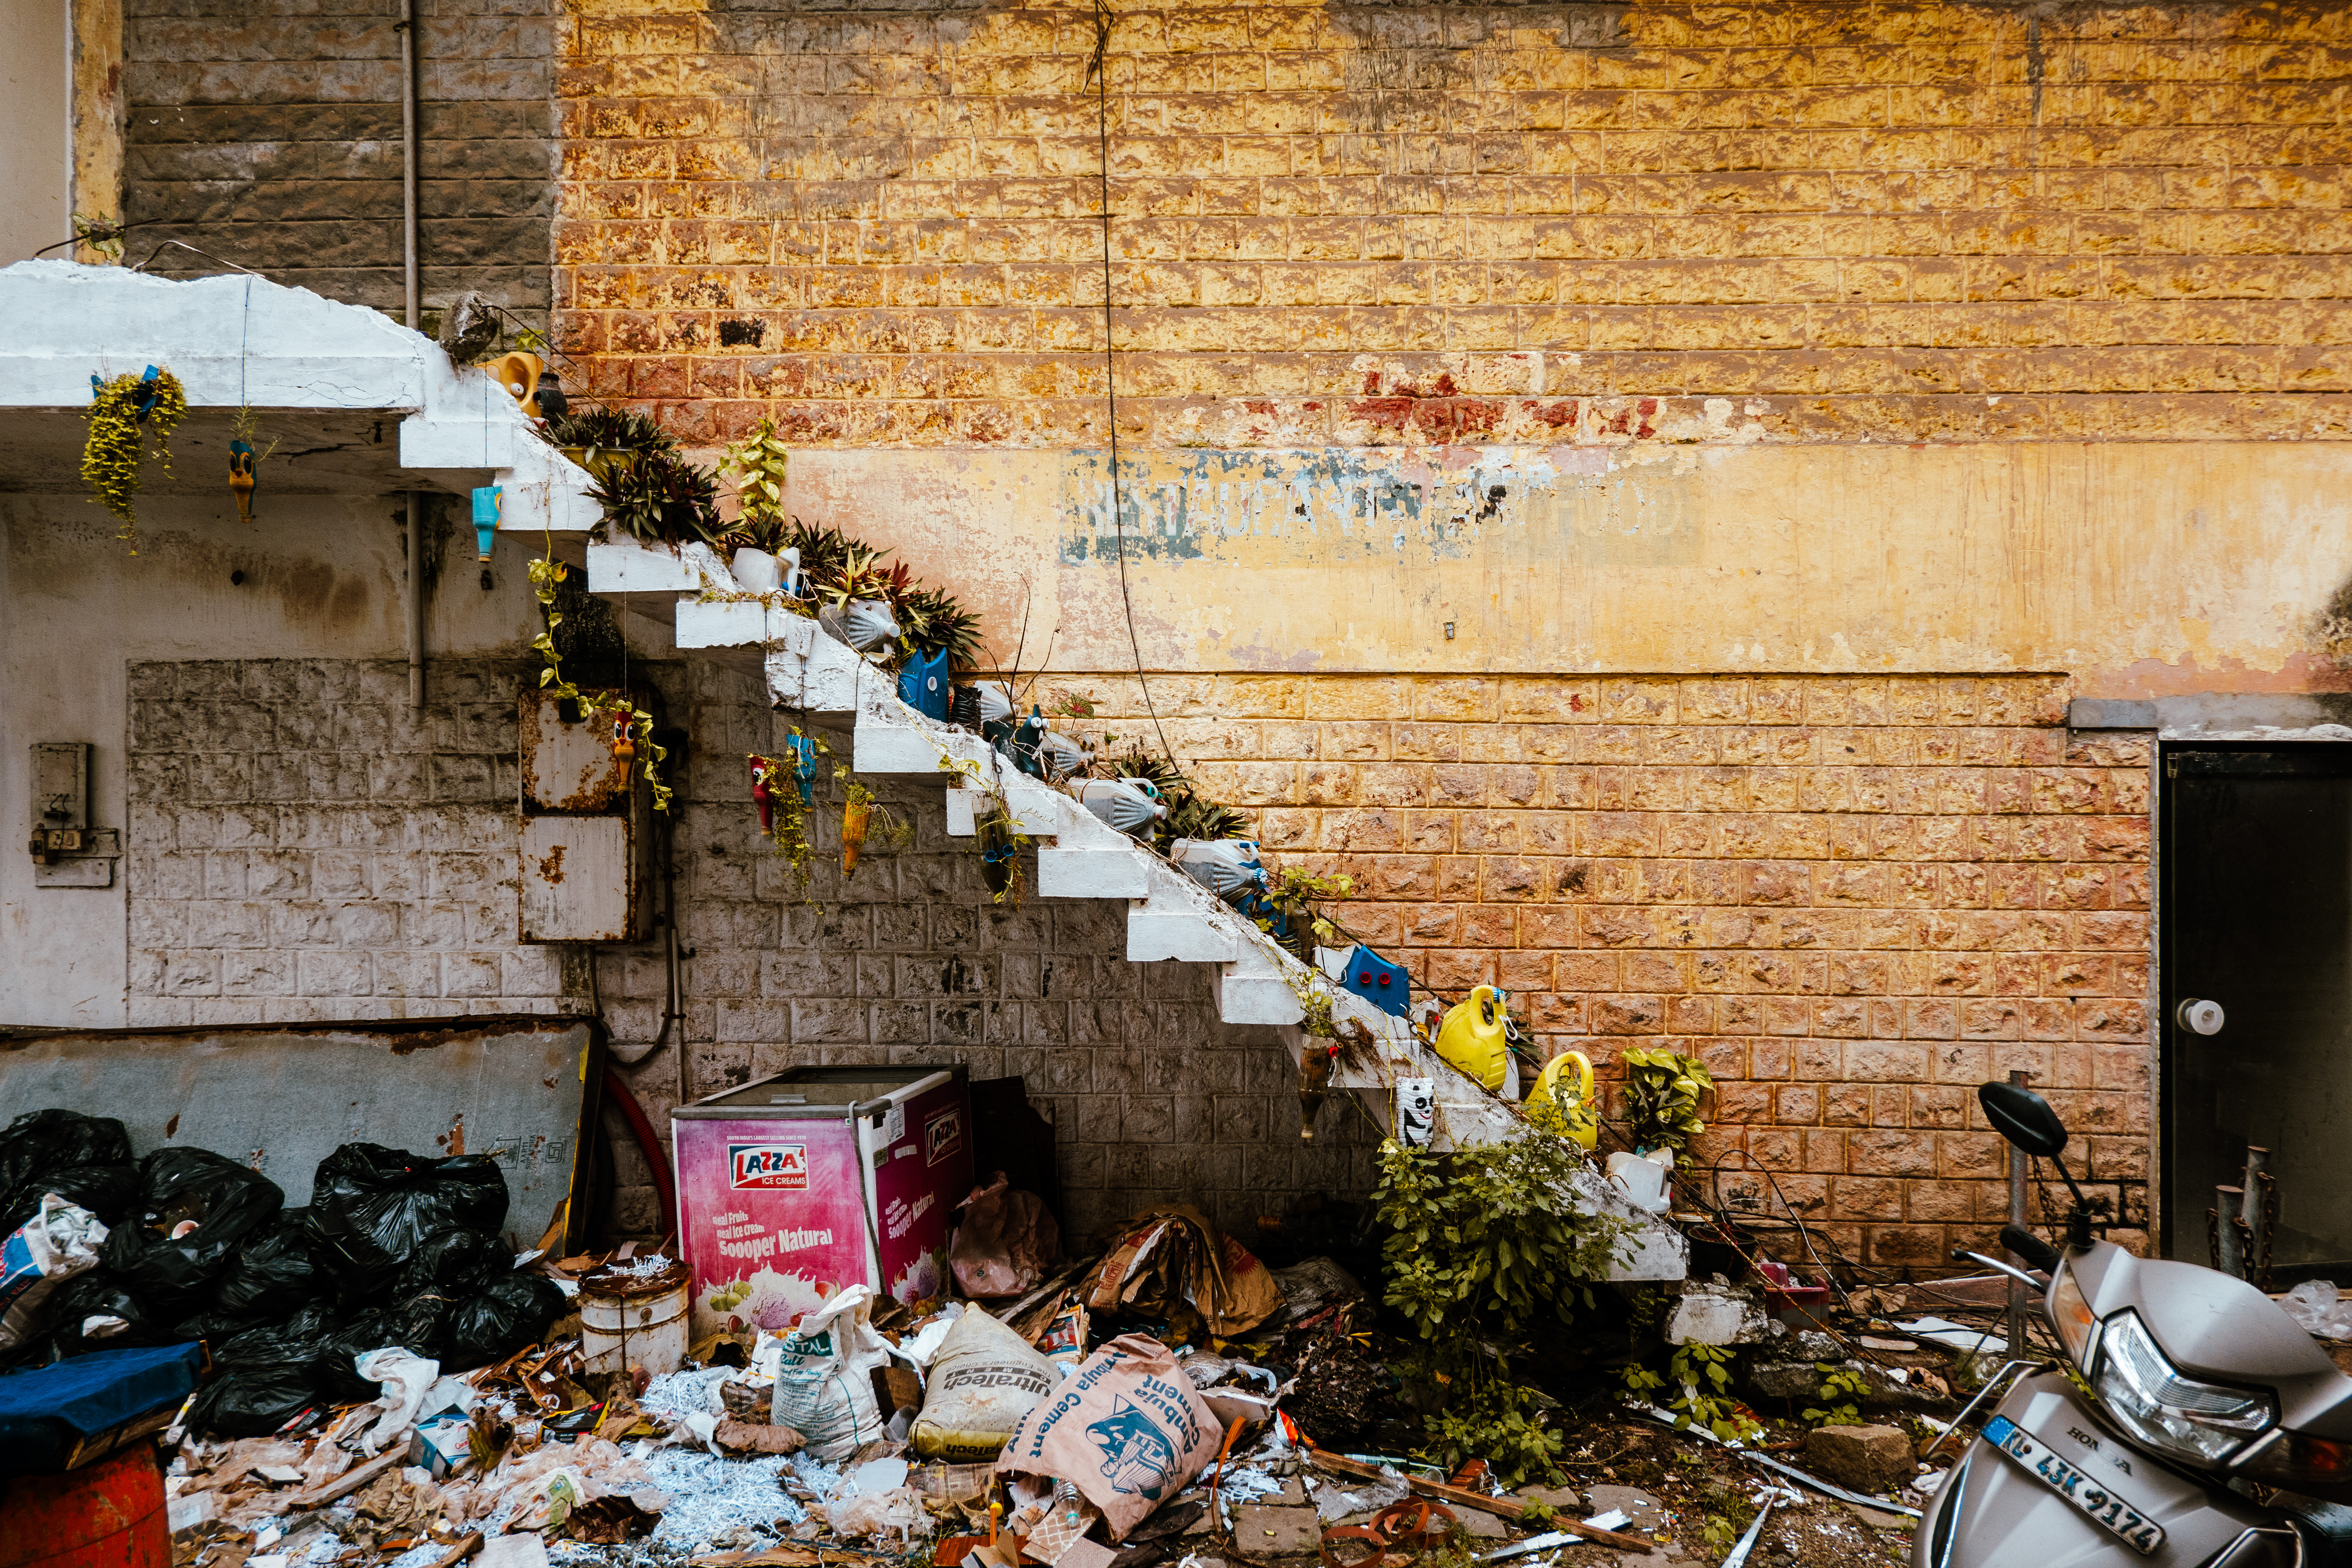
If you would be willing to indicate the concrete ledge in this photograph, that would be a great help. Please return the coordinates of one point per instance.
(2109, 713)
(1154, 935)
(1254, 999)
(1084, 873)
(633, 568)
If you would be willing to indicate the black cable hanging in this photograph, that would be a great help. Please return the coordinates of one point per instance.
(1097, 72)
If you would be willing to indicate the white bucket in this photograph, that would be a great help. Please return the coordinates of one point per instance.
(629, 1319)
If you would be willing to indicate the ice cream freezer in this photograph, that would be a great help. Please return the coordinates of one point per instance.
(800, 1185)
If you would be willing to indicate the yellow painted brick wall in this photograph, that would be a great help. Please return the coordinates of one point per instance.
(1854, 899)
(1467, 223)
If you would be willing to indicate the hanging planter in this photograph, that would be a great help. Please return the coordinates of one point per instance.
(126, 415)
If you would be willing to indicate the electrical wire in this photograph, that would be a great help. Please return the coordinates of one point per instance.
(1099, 71)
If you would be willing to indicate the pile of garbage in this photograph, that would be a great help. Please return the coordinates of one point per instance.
(395, 1251)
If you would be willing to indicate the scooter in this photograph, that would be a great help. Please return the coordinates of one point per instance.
(2191, 1421)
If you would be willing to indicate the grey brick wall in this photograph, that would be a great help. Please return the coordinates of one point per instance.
(301, 848)
(268, 132)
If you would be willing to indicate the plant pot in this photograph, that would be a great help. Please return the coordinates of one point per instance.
(758, 572)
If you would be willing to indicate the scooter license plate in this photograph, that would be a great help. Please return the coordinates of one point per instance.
(2098, 1503)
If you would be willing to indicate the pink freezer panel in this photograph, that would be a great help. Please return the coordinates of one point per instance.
(916, 1189)
(772, 1224)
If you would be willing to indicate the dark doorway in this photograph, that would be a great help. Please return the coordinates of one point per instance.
(2256, 915)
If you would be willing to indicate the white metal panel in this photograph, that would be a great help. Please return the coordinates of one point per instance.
(575, 878)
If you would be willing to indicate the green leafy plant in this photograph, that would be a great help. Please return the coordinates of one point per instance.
(659, 499)
(121, 435)
(1191, 815)
(1486, 1252)
(1293, 895)
(1662, 1098)
(758, 467)
(1702, 1374)
(1840, 1394)
(996, 832)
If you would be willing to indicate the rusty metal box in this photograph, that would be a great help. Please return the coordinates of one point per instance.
(584, 840)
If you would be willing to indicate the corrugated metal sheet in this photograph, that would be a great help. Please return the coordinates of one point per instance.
(280, 1098)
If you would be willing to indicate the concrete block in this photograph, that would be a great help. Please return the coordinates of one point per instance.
(633, 568)
(1064, 873)
(1871, 1458)
(1708, 1314)
(720, 623)
(1254, 999)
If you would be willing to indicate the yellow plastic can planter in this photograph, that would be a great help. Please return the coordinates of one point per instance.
(1575, 1105)
(1471, 1038)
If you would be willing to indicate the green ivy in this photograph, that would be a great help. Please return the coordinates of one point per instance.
(1486, 1251)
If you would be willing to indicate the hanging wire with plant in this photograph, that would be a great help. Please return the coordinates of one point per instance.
(783, 788)
(632, 726)
(131, 416)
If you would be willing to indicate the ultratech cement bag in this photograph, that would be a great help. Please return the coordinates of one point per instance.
(1128, 1429)
(981, 1381)
(824, 1383)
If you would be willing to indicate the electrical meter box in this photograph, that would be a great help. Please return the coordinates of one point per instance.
(584, 844)
(797, 1186)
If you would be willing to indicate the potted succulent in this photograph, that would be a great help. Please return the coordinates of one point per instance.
(604, 439)
(758, 465)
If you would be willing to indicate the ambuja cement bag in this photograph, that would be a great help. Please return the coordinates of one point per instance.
(982, 1380)
(1127, 1428)
(825, 1380)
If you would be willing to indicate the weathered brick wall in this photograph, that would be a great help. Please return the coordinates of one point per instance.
(268, 132)
(1855, 900)
(1467, 223)
(301, 848)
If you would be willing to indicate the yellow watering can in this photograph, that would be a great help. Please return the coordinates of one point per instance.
(1575, 1108)
(1471, 1038)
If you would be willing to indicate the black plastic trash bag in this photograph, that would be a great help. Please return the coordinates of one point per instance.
(413, 1325)
(450, 1256)
(494, 1315)
(219, 1201)
(80, 1310)
(273, 1273)
(267, 1376)
(373, 1207)
(109, 1192)
(40, 1145)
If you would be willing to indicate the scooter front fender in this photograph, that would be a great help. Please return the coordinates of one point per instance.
(1992, 1510)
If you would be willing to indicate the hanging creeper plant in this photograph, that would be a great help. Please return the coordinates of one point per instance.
(110, 456)
(632, 727)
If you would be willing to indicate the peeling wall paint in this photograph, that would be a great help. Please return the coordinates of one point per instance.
(2142, 569)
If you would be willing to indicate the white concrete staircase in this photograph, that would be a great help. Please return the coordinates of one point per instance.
(1169, 915)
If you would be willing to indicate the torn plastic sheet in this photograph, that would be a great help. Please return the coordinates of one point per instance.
(1956, 1336)
(1333, 1504)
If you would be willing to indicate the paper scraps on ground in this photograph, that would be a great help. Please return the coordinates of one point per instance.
(1615, 1519)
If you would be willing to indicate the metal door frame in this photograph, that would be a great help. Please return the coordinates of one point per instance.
(2172, 740)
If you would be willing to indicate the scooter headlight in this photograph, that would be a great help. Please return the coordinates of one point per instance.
(2070, 1313)
(2203, 1423)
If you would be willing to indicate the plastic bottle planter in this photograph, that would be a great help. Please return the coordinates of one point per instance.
(996, 853)
(1316, 1060)
(241, 478)
(923, 684)
(1384, 984)
(803, 765)
(854, 814)
(1063, 757)
(757, 572)
(763, 793)
(1571, 1096)
(486, 501)
(1228, 867)
(963, 707)
(863, 624)
(1473, 1038)
(1131, 806)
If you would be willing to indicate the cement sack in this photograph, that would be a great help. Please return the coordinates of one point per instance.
(59, 1242)
(1128, 1429)
(983, 1379)
(825, 1377)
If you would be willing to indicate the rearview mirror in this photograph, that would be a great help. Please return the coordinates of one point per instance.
(2024, 1118)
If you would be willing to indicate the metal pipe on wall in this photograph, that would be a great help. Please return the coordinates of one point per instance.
(416, 600)
(412, 306)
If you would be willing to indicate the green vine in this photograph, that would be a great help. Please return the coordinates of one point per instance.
(636, 724)
(885, 830)
(110, 456)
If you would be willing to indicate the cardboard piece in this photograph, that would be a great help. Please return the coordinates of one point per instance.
(1172, 1263)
